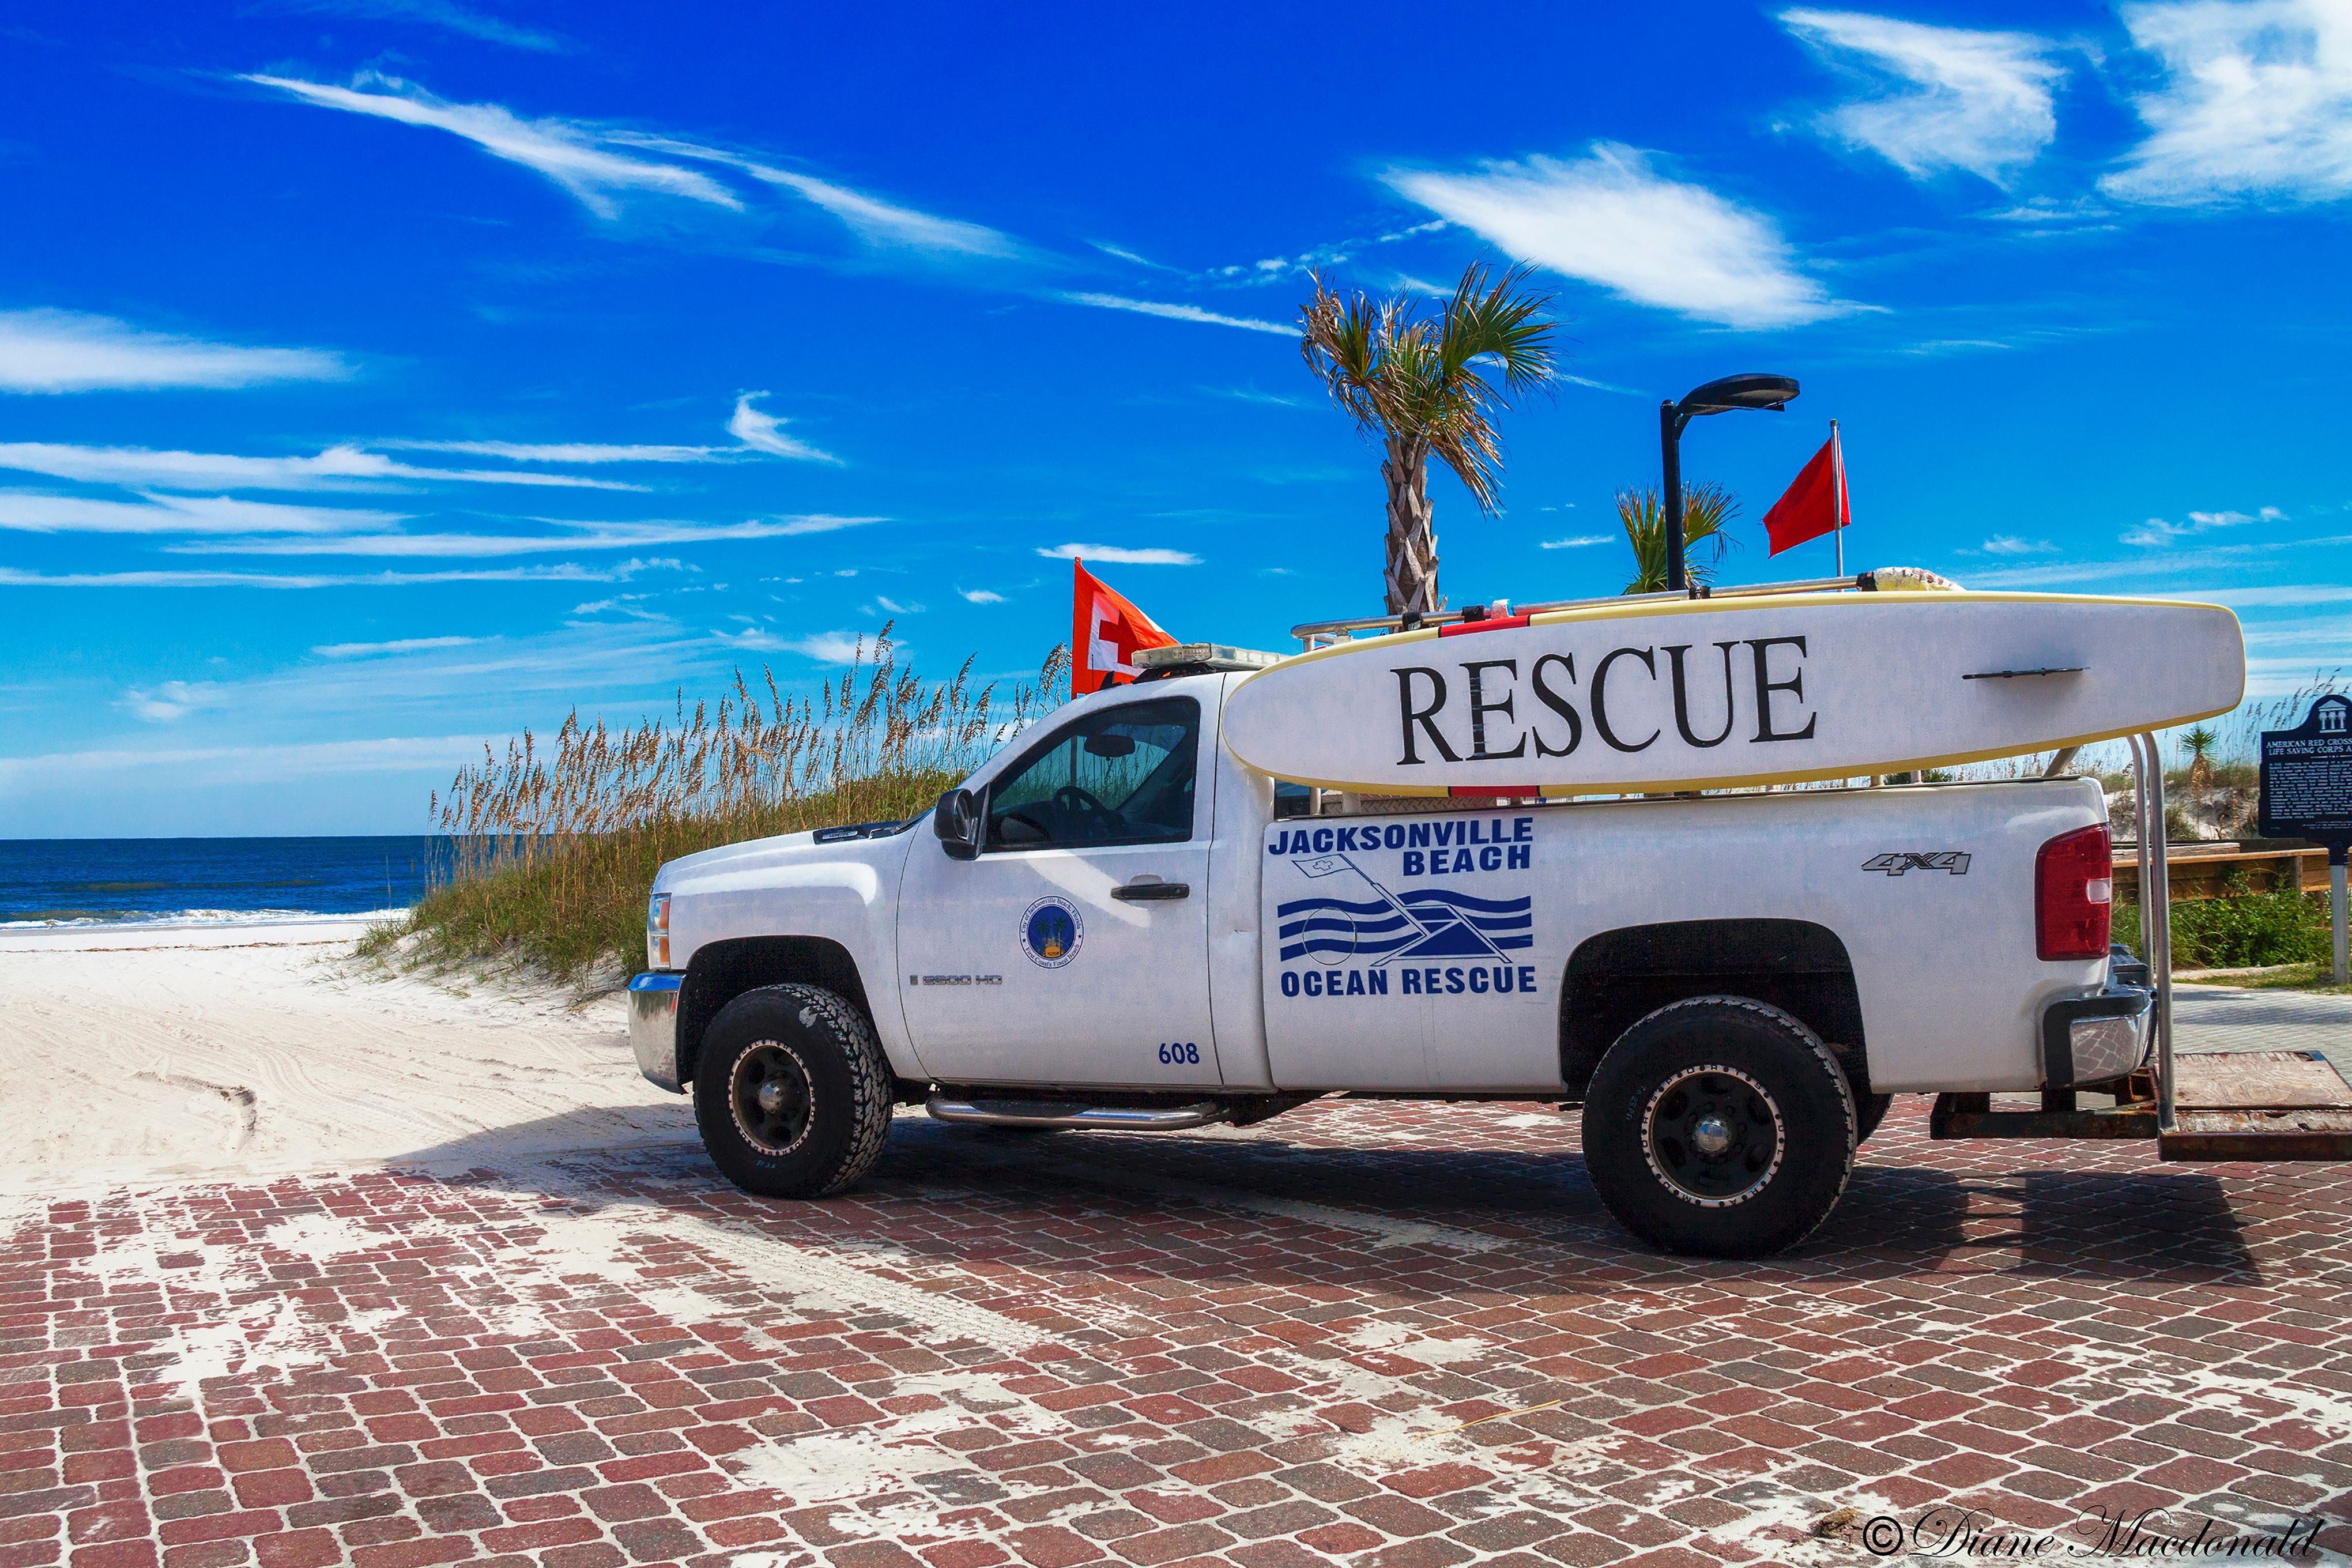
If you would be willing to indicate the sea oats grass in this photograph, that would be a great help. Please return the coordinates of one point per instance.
(555, 845)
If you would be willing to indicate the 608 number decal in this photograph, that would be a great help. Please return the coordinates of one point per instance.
(1186, 1054)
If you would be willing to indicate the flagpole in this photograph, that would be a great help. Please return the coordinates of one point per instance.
(1840, 502)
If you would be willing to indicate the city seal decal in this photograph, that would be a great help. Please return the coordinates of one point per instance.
(1051, 932)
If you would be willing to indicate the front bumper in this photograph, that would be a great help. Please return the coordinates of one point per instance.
(653, 1027)
(2094, 1038)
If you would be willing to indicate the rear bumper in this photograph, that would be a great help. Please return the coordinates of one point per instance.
(2094, 1038)
(653, 1027)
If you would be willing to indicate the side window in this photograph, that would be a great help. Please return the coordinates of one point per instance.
(1119, 775)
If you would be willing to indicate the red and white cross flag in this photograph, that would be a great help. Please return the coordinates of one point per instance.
(1106, 634)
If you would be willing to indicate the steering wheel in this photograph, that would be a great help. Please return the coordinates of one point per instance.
(1078, 803)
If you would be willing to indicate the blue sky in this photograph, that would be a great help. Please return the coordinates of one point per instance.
(378, 376)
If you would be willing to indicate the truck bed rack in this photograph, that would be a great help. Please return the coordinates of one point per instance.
(2227, 1105)
(2212, 1105)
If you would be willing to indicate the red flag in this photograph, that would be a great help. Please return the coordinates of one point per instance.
(1106, 631)
(1814, 504)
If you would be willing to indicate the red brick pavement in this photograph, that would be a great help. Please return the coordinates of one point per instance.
(1276, 1347)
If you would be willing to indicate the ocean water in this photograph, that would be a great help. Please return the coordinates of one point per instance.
(82, 882)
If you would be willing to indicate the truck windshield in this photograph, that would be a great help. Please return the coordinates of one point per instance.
(1121, 775)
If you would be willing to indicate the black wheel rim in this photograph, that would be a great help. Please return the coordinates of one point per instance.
(769, 1092)
(1713, 1135)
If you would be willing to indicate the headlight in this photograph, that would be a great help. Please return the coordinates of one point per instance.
(657, 932)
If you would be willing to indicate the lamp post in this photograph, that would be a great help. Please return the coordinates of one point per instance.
(1748, 390)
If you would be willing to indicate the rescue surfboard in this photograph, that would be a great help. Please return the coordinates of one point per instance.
(1651, 696)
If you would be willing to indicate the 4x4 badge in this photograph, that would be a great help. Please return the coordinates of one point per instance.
(1895, 862)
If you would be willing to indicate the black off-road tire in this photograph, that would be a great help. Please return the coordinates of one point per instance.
(1719, 1127)
(791, 1092)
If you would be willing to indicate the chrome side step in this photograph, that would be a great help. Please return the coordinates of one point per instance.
(1063, 1113)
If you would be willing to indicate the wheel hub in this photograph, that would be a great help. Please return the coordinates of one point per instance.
(1713, 1136)
(769, 1094)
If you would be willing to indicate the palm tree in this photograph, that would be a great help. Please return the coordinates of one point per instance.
(1707, 512)
(1415, 371)
(2200, 743)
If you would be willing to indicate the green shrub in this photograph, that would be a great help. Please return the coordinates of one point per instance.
(2252, 931)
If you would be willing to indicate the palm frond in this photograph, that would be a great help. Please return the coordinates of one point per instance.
(1416, 370)
(1707, 512)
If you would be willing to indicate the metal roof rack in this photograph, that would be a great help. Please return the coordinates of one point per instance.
(1315, 634)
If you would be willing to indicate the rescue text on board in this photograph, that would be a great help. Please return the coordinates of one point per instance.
(1424, 694)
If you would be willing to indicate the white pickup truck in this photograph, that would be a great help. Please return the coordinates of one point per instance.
(1115, 922)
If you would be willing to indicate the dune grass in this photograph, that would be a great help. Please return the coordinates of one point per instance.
(556, 846)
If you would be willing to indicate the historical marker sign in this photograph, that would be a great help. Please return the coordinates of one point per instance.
(2307, 777)
(2307, 794)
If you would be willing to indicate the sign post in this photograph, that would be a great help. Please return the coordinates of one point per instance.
(2306, 793)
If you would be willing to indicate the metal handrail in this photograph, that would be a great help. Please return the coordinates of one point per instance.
(1309, 632)
(1859, 582)
(2155, 908)
(1306, 632)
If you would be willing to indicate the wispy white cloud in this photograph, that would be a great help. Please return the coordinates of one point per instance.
(566, 451)
(65, 350)
(1178, 312)
(446, 15)
(2256, 103)
(981, 595)
(246, 764)
(1119, 555)
(756, 433)
(337, 467)
(598, 164)
(896, 608)
(2011, 544)
(2294, 595)
(577, 536)
(1944, 97)
(172, 699)
(2156, 532)
(27, 512)
(399, 645)
(1272, 270)
(1611, 219)
(882, 223)
(1253, 394)
(578, 157)
(825, 648)
(12, 577)
(765, 432)
(1578, 543)
(1123, 254)
(1599, 385)
(2210, 561)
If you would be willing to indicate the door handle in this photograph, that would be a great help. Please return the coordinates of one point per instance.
(1151, 892)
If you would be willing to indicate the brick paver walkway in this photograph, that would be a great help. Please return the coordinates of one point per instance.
(1388, 1335)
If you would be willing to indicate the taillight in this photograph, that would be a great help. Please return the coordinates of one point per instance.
(658, 930)
(2073, 894)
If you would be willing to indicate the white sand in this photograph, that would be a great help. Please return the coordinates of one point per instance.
(131, 1052)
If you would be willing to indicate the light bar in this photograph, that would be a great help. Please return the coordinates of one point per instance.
(1212, 655)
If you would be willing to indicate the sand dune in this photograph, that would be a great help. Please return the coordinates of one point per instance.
(131, 1053)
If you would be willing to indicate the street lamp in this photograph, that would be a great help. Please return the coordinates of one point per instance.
(1749, 390)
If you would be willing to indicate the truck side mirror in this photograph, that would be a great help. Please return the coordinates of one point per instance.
(959, 820)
